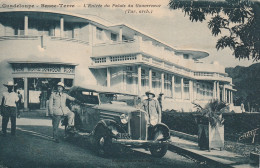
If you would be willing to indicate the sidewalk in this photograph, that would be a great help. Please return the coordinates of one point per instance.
(214, 157)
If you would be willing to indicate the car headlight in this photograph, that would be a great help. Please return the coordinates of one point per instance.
(124, 118)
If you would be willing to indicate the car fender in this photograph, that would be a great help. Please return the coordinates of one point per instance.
(110, 126)
(163, 127)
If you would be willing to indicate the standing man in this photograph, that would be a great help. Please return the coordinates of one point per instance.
(8, 108)
(160, 98)
(152, 107)
(19, 104)
(58, 108)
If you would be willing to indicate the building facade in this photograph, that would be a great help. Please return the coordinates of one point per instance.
(40, 48)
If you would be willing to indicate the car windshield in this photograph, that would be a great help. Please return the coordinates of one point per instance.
(108, 98)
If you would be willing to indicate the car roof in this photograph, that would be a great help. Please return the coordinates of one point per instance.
(99, 89)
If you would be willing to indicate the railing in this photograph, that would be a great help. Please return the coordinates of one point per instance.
(15, 37)
(36, 37)
(69, 39)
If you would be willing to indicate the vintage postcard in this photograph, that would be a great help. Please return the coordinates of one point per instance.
(130, 83)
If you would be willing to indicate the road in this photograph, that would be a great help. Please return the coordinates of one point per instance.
(34, 147)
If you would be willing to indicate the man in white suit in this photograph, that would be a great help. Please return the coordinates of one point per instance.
(58, 108)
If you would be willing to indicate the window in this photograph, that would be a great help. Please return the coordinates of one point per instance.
(113, 37)
(124, 38)
(68, 82)
(129, 68)
(99, 33)
(153, 74)
(186, 56)
(143, 71)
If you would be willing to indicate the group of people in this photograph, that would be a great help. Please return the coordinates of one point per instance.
(11, 103)
(57, 108)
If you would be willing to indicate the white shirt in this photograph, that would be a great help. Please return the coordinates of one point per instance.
(10, 99)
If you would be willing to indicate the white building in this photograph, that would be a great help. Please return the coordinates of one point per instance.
(40, 48)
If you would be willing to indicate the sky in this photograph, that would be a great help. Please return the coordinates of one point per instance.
(170, 26)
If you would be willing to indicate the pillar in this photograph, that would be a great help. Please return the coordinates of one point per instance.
(162, 83)
(218, 91)
(182, 89)
(139, 79)
(196, 90)
(26, 95)
(108, 77)
(120, 34)
(61, 27)
(223, 94)
(191, 90)
(229, 96)
(226, 94)
(214, 90)
(150, 79)
(173, 86)
(25, 25)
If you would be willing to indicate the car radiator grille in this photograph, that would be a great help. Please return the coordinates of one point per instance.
(138, 128)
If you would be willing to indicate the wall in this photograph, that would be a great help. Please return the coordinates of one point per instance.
(53, 51)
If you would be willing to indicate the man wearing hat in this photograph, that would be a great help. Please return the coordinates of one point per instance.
(8, 108)
(58, 108)
(152, 107)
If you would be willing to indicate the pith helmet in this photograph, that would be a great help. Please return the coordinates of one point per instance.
(9, 83)
(61, 84)
(150, 92)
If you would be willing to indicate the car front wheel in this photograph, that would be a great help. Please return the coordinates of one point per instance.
(158, 150)
(103, 142)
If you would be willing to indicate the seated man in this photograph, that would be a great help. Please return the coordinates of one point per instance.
(58, 108)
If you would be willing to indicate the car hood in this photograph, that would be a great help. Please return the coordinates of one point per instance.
(118, 108)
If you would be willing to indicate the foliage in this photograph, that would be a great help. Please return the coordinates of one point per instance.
(247, 84)
(239, 18)
(212, 112)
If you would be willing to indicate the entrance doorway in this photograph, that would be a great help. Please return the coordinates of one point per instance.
(39, 90)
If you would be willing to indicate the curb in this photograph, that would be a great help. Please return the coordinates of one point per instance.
(193, 138)
(198, 157)
(195, 156)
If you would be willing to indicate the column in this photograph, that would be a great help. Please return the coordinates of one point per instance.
(25, 25)
(108, 77)
(214, 90)
(173, 86)
(226, 94)
(195, 92)
(26, 95)
(90, 32)
(150, 79)
(162, 83)
(120, 34)
(229, 97)
(182, 89)
(139, 79)
(191, 90)
(218, 91)
(62, 80)
(61, 27)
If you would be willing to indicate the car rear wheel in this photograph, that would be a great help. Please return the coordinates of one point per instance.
(103, 142)
(158, 150)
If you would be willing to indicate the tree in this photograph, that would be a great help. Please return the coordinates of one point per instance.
(238, 21)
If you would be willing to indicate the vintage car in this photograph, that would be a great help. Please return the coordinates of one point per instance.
(115, 119)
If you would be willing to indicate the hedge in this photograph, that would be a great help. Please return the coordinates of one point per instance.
(236, 124)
